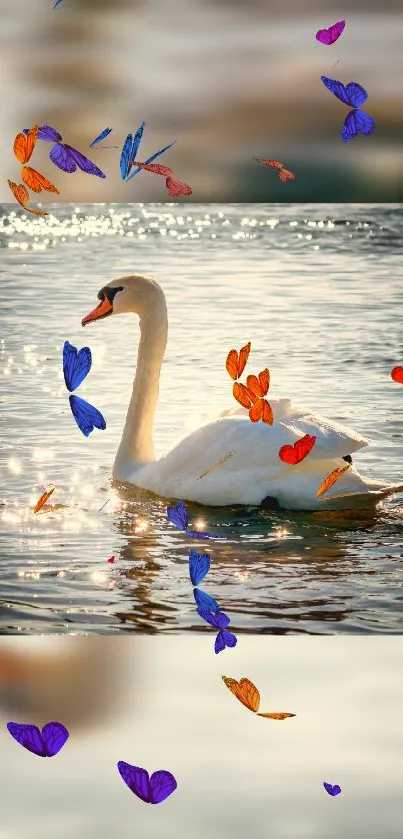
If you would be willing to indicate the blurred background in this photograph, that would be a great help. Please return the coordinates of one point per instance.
(229, 79)
(160, 703)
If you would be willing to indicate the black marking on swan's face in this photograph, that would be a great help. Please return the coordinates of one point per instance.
(348, 458)
(110, 293)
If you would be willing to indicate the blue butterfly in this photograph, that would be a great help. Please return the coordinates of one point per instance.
(199, 566)
(204, 601)
(353, 95)
(178, 516)
(101, 136)
(220, 621)
(129, 152)
(76, 366)
(57, 4)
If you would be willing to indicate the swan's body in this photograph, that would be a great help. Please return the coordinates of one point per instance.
(255, 471)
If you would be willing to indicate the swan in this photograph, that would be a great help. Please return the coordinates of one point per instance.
(255, 473)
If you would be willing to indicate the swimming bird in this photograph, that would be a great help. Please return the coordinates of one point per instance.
(254, 475)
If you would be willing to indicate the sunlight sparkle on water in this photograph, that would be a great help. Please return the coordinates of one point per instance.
(141, 526)
(199, 524)
(14, 466)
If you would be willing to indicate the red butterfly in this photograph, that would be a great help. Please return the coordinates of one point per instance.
(284, 174)
(301, 448)
(397, 375)
(174, 187)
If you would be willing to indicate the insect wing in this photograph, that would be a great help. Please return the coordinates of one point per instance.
(204, 601)
(162, 785)
(150, 159)
(86, 416)
(76, 365)
(54, 735)
(28, 736)
(199, 566)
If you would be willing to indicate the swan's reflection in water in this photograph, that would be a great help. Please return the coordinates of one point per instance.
(278, 572)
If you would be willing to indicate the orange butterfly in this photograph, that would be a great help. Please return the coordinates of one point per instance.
(21, 194)
(283, 173)
(24, 144)
(36, 181)
(251, 396)
(235, 363)
(43, 499)
(331, 479)
(248, 694)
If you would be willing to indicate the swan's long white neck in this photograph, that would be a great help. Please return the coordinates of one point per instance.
(136, 446)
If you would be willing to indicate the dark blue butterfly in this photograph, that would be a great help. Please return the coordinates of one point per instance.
(57, 4)
(101, 136)
(45, 743)
(353, 95)
(220, 621)
(150, 160)
(178, 516)
(129, 152)
(204, 601)
(76, 366)
(199, 566)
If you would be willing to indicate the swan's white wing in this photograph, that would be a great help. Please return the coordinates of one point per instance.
(332, 439)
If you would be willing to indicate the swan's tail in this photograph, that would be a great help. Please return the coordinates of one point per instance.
(380, 490)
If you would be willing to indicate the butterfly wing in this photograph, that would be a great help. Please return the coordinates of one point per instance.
(28, 736)
(331, 479)
(329, 36)
(209, 617)
(243, 395)
(277, 715)
(43, 499)
(101, 136)
(178, 516)
(205, 602)
(256, 411)
(54, 736)
(156, 168)
(84, 163)
(86, 416)
(24, 144)
(356, 122)
(150, 159)
(195, 534)
(332, 789)
(136, 779)
(21, 195)
(199, 566)
(337, 88)
(286, 175)
(162, 785)
(61, 158)
(267, 413)
(49, 134)
(397, 375)
(245, 691)
(224, 639)
(35, 181)
(135, 147)
(275, 163)
(177, 188)
(125, 157)
(76, 365)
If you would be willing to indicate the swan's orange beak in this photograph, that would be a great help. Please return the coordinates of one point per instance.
(103, 309)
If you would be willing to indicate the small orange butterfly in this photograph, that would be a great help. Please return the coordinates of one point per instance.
(21, 194)
(247, 693)
(43, 499)
(236, 363)
(35, 181)
(331, 479)
(284, 174)
(251, 396)
(24, 144)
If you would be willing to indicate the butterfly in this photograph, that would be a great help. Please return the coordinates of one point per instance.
(57, 4)
(248, 694)
(251, 397)
(178, 516)
(397, 375)
(21, 195)
(45, 743)
(111, 559)
(43, 499)
(24, 144)
(35, 181)
(216, 465)
(329, 36)
(174, 187)
(353, 95)
(331, 479)
(220, 621)
(301, 448)
(129, 151)
(199, 566)
(151, 789)
(101, 136)
(332, 790)
(205, 602)
(284, 174)
(236, 362)
(76, 366)
(66, 157)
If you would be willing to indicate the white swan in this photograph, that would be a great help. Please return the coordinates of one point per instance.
(254, 472)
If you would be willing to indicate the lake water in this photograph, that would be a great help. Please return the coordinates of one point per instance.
(319, 292)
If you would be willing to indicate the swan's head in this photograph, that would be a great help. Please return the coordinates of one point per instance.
(128, 294)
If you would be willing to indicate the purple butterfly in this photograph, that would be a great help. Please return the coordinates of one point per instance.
(332, 790)
(329, 36)
(45, 743)
(353, 95)
(64, 156)
(152, 789)
(220, 621)
(179, 517)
